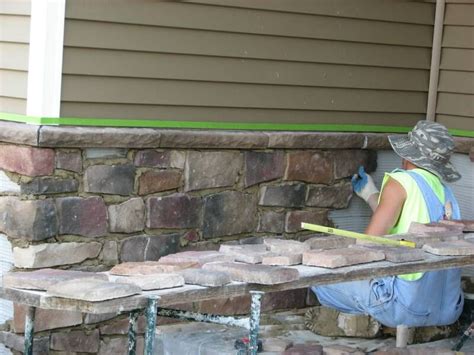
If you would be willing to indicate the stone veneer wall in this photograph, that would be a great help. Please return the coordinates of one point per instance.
(89, 198)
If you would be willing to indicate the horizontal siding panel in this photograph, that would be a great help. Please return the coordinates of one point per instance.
(17, 57)
(168, 92)
(228, 114)
(15, 7)
(459, 14)
(456, 82)
(14, 28)
(386, 10)
(99, 62)
(13, 105)
(196, 16)
(455, 104)
(13, 83)
(457, 59)
(456, 122)
(458, 37)
(168, 40)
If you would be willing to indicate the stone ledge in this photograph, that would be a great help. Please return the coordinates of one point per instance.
(113, 137)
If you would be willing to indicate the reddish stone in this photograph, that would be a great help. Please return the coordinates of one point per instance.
(155, 181)
(465, 224)
(153, 158)
(313, 167)
(144, 247)
(27, 160)
(191, 236)
(347, 162)
(82, 216)
(260, 167)
(174, 211)
(44, 319)
(199, 257)
(120, 326)
(294, 219)
(71, 161)
(76, 341)
(333, 258)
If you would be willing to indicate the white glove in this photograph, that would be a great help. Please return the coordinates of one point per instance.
(363, 185)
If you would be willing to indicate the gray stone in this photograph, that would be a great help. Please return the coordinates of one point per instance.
(259, 274)
(153, 158)
(174, 211)
(285, 246)
(288, 195)
(333, 258)
(109, 253)
(441, 230)
(329, 242)
(17, 342)
(69, 160)
(101, 153)
(315, 140)
(347, 162)
(229, 213)
(127, 217)
(149, 267)
(177, 159)
(156, 181)
(205, 277)
(91, 318)
(53, 254)
(76, 341)
(251, 254)
(335, 196)
(44, 186)
(198, 257)
(208, 170)
(92, 290)
(295, 218)
(110, 179)
(396, 254)
(455, 247)
(119, 346)
(45, 319)
(283, 259)
(19, 133)
(308, 166)
(82, 216)
(7, 185)
(44, 278)
(262, 166)
(29, 220)
(152, 281)
(272, 222)
(144, 247)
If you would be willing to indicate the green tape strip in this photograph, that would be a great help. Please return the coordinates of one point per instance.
(255, 126)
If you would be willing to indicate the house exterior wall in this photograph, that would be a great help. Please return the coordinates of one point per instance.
(337, 62)
(455, 106)
(14, 39)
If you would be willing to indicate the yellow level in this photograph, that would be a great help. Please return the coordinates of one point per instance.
(349, 234)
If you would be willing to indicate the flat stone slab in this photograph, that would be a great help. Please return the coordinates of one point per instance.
(258, 274)
(199, 257)
(436, 229)
(285, 246)
(396, 254)
(420, 239)
(250, 254)
(333, 258)
(457, 247)
(152, 281)
(148, 267)
(282, 260)
(45, 278)
(205, 277)
(465, 224)
(92, 290)
(329, 242)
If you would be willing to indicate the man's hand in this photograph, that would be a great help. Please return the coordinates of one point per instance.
(363, 185)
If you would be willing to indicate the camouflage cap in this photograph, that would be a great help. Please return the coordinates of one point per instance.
(429, 146)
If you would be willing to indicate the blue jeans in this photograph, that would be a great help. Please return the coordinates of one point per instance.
(435, 299)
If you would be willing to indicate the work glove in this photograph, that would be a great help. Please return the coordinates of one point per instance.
(363, 185)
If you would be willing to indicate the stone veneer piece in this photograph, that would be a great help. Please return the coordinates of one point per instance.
(152, 181)
(333, 258)
(466, 225)
(148, 268)
(174, 211)
(346, 162)
(110, 179)
(82, 216)
(263, 166)
(76, 341)
(396, 254)
(282, 260)
(69, 160)
(336, 196)
(152, 281)
(286, 195)
(442, 230)
(307, 166)
(45, 186)
(329, 242)
(92, 290)
(47, 255)
(251, 254)
(45, 319)
(199, 257)
(294, 219)
(27, 160)
(259, 274)
(455, 247)
(205, 277)
(146, 247)
(127, 217)
(285, 246)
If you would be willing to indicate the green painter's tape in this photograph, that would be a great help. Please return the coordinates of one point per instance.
(254, 126)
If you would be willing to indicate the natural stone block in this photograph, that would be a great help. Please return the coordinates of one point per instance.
(152, 281)
(7, 185)
(288, 195)
(466, 225)
(54, 254)
(29, 220)
(456, 247)
(347, 162)
(295, 218)
(127, 217)
(82, 216)
(69, 160)
(315, 140)
(205, 277)
(27, 160)
(153, 158)
(396, 254)
(92, 290)
(76, 341)
(19, 133)
(92, 318)
(283, 259)
(121, 325)
(156, 181)
(272, 222)
(251, 254)
(229, 213)
(149, 267)
(262, 166)
(198, 257)
(174, 211)
(442, 230)
(17, 343)
(109, 254)
(44, 278)
(333, 258)
(285, 246)
(45, 319)
(329, 242)
(308, 166)
(208, 170)
(119, 346)
(102, 153)
(141, 248)
(259, 274)
(276, 344)
(335, 196)
(110, 179)
(44, 186)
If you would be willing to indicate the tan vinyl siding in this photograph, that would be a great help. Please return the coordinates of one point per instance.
(455, 106)
(14, 39)
(248, 61)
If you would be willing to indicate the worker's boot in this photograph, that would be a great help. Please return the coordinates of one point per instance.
(330, 322)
